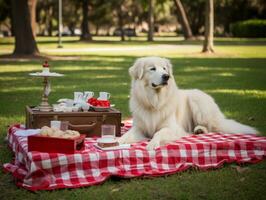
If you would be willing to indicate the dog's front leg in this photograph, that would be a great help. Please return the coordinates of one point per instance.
(164, 136)
(132, 136)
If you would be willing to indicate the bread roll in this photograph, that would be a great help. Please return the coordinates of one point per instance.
(55, 132)
(44, 131)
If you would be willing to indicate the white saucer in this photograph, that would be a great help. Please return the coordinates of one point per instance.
(100, 109)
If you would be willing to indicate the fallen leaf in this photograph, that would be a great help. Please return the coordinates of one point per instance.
(242, 179)
(241, 169)
(115, 190)
(251, 119)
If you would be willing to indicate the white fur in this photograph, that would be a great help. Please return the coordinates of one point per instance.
(165, 113)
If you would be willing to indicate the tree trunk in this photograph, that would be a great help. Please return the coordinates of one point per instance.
(150, 21)
(32, 9)
(12, 23)
(25, 43)
(85, 35)
(209, 23)
(49, 19)
(183, 19)
(108, 30)
(121, 22)
(71, 27)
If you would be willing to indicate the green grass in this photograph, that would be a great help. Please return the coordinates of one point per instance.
(234, 76)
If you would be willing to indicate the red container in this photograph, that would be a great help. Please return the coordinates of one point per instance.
(55, 145)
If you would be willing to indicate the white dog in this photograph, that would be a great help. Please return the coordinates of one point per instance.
(164, 113)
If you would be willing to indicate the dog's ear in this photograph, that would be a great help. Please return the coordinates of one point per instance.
(137, 70)
(169, 66)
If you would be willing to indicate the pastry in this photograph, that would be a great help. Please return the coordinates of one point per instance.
(45, 131)
(55, 132)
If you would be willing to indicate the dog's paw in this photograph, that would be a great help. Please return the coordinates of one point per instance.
(200, 130)
(153, 144)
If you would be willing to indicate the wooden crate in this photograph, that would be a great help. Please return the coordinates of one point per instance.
(88, 123)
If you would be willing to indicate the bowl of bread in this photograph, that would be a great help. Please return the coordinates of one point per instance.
(57, 133)
(54, 140)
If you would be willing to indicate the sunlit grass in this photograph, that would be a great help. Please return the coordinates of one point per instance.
(206, 69)
(244, 93)
(89, 68)
(234, 77)
(163, 46)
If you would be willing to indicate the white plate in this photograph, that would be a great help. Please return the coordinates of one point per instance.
(101, 109)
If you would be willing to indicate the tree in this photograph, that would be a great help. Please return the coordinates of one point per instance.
(32, 9)
(121, 21)
(47, 16)
(183, 19)
(103, 16)
(5, 16)
(195, 17)
(25, 43)
(73, 16)
(225, 12)
(209, 22)
(85, 35)
(125, 15)
(150, 20)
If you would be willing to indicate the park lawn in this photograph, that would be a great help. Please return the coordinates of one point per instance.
(234, 76)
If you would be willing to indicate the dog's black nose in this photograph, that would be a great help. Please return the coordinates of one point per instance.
(165, 77)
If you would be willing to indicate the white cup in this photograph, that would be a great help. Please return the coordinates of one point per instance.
(87, 95)
(78, 96)
(104, 96)
(55, 124)
(85, 107)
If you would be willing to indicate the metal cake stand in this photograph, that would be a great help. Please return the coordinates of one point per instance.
(44, 105)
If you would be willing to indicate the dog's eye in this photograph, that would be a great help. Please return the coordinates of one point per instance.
(164, 68)
(153, 69)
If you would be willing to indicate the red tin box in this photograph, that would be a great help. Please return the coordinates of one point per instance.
(55, 145)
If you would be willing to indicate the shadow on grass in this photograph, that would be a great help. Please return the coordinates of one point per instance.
(203, 73)
(167, 40)
(237, 84)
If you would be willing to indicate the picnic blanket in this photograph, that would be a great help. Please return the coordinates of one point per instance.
(47, 171)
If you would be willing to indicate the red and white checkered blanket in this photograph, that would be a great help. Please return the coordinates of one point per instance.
(46, 171)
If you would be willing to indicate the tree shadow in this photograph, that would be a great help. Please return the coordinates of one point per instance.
(14, 57)
(237, 84)
(140, 40)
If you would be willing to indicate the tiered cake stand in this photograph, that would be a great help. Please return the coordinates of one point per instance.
(44, 105)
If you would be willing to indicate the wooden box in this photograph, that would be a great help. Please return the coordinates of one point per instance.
(55, 145)
(88, 123)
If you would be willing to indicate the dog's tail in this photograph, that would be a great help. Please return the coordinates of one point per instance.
(231, 126)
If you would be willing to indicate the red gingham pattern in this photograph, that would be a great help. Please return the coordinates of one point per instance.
(47, 171)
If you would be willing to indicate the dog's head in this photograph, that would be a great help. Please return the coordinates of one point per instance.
(155, 71)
